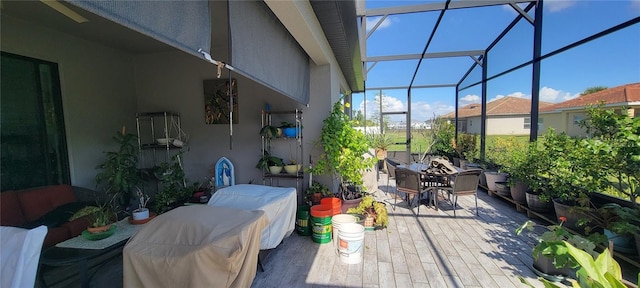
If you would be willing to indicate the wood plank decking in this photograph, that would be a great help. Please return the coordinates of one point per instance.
(431, 250)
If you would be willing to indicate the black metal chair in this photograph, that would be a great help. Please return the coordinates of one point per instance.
(465, 183)
(409, 182)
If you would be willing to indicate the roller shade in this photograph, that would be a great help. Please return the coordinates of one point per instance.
(263, 50)
(185, 25)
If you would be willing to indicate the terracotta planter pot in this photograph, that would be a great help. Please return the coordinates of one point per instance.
(381, 154)
(519, 192)
(536, 205)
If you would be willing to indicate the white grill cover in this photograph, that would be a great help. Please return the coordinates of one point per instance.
(279, 203)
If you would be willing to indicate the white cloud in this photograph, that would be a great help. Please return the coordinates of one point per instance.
(469, 98)
(372, 21)
(552, 95)
(518, 95)
(558, 5)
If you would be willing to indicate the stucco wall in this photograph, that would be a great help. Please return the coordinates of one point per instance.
(506, 125)
(97, 87)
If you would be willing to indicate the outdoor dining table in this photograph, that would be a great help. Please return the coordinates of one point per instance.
(432, 177)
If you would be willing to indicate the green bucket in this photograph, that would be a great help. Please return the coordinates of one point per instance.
(302, 221)
(321, 227)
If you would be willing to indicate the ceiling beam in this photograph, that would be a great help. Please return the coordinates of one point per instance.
(438, 6)
(426, 55)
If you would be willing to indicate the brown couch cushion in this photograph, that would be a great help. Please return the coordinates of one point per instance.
(10, 212)
(55, 235)
(37, 202)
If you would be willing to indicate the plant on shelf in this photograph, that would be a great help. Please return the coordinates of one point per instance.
(344, 149)
(175, 188)
(119, 173)
(269, 131)
(271, 164)
(289, 129)
(142, 212)
(375, 213)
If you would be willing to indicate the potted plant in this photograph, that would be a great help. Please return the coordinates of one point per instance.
(103, 215)
(269, 163)
(175, 188)
(269, 131)
(465, 148)
(550, 256)
(344, 150)
(616, 222)
(380, 142)
(142, 212)
(316, 192)
(289, 129)
(119, 172)
(375, 213)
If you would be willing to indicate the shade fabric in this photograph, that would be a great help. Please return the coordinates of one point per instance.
(195, 246)
(263, 50)
(279, 203)
(185, 24)
(19, 255)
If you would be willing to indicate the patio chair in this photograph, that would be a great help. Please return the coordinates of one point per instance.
(391, 172)
(410, 183)
(465, 183)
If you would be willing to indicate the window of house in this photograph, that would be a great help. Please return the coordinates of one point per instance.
(33, 143)
(527, 123)
(577, 119)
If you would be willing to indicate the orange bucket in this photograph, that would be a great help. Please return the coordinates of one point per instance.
(320, 211)
(334, 203)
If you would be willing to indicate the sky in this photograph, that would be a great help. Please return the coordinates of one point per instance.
(608, 61)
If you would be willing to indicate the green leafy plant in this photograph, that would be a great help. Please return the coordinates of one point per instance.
(317, 187)
(466, 146)
(551, 243)
(175, 185)
(267, 161)
(380, 141)
(105, 213)
(344, 148)
(615, 149)
(611, 216)
(119, 173)
(269, 131)
(369, 207)
(593, 271)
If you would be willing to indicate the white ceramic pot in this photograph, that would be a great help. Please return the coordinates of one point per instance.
(275, 169)
(292, 169)
(140, 214)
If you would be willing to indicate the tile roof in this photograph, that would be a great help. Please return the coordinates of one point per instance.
(503, 106)
(616, 95)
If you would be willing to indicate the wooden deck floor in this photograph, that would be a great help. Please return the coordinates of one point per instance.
(431, 250)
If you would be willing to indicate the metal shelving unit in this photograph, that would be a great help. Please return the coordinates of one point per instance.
(291, 116)
(152, 128)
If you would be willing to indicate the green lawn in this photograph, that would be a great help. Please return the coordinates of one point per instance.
(419, 143)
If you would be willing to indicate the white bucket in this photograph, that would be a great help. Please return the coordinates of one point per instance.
(337, 220)
(351, 243)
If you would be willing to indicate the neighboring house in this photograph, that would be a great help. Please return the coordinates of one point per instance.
(101, 62)
(565, 116)
(505, 116)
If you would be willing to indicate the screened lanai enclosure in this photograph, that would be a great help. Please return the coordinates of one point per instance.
(494, 67)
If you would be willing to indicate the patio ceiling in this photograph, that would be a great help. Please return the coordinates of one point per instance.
(423, 49)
